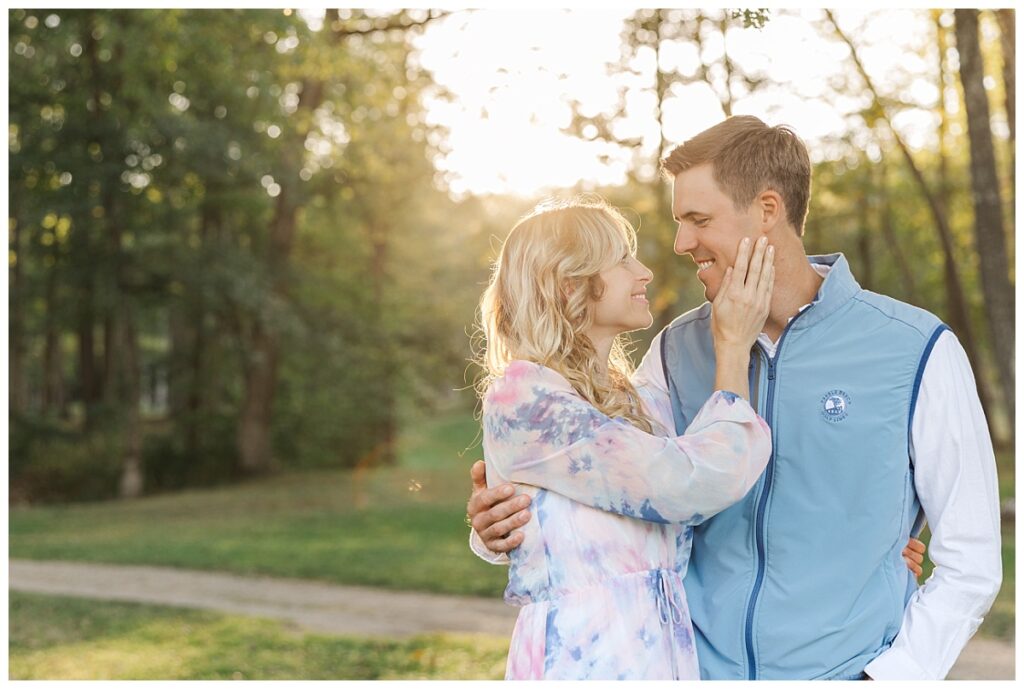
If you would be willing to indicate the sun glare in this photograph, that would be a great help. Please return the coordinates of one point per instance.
(513, 74)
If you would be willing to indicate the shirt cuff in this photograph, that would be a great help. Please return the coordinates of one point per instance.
(476, 544)
(896, 663)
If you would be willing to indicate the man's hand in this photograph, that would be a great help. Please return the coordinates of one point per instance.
(913, 555)
(494, 512)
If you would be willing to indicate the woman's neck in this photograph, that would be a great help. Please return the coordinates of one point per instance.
(603, 346)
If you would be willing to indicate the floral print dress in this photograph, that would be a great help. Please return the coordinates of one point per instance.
(599, 573)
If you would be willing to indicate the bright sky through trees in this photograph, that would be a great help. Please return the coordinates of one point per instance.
(511, 73)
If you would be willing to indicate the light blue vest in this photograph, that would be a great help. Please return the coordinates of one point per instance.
(804, 577)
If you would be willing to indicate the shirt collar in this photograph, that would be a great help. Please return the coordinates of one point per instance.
(837, 288)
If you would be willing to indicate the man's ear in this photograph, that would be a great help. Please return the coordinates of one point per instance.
(771, 209)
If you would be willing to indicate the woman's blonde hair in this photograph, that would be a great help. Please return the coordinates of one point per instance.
(540, 302)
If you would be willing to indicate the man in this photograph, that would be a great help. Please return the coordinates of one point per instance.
(874, 415)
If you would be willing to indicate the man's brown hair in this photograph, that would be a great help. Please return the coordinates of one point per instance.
(748, 157)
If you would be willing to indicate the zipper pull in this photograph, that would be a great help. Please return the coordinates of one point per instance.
(771, 369)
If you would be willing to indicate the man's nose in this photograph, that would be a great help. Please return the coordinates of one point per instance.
(686, 239)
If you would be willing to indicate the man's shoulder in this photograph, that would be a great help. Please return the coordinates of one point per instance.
(923, 321)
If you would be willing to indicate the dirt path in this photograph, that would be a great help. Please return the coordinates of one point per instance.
(310, 604)
(337, 609)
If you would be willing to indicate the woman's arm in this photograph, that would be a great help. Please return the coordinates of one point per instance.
(538, 431)
(738, 313)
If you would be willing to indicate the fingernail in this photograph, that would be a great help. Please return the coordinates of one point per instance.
(763, 240)
(506, 491)
(771, 249)
(746, 240)
(523, 501)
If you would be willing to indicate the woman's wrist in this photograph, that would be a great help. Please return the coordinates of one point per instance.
(731, 365)
(726, 355)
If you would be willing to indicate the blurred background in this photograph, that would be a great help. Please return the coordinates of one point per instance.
(246, 246)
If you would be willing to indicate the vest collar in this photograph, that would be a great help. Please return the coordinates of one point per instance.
(838, 287)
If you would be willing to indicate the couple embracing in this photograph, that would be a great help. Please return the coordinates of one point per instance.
(741, 505)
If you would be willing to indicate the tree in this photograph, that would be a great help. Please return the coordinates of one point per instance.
(1008, 43)
(342, 35)
(989, 232)
(959, 318)
(878, 111)
(205, 149)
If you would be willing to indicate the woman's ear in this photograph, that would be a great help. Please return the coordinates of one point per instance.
(567, 289)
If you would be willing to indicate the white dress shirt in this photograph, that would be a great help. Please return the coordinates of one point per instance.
(955, 479)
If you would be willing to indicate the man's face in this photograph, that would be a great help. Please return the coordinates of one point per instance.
(710, 228)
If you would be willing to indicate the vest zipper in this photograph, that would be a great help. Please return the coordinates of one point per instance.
(754, 373)
(762, 502)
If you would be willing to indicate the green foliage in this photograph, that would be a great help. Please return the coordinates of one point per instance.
(61, 638)
(169, 463)
(51, 463)
(751, 18)
(197, 137)
(156, 158)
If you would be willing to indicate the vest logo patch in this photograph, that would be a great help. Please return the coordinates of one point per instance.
(835, 406)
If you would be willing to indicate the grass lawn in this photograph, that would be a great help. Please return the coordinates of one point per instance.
(70, 638)
(399, 527)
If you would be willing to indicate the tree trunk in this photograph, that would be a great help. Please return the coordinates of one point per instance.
(254, 431)
(1008, 43)
(129, 375)
(53, 373)
(105, 227)
(989, 235)
(188, 352)
(88, 377)
(186, 378)
(387, 428)
(16, 355)
(254, 437)
(109, 386)
(956, 309)
(123, 371)
(866, 275)
(194, 400)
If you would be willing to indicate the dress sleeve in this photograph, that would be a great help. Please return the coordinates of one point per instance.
(651, 386)
(539, 431)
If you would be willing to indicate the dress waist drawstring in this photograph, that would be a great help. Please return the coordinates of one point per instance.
(668, 608)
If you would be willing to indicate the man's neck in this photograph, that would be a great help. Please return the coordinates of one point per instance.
(796, 284)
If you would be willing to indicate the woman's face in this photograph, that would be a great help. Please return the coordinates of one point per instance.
(623, 306)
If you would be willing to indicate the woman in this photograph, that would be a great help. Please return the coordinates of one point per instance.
(599, 574)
